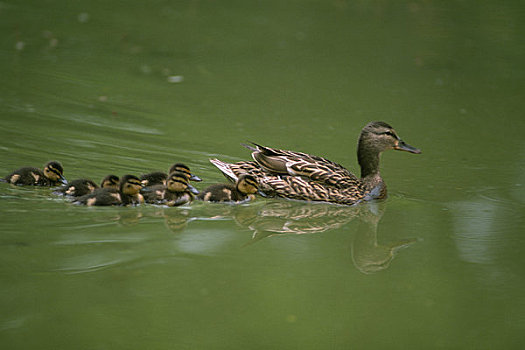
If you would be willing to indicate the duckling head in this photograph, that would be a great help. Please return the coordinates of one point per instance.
(110, 181)
(247, 184)
(130, 185)
(185, 170)
(54, 172)
(179, 182)
(377, 137)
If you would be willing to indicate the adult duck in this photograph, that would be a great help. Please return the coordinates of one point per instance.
(301, 176)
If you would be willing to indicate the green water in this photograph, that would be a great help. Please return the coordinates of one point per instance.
(128, 87)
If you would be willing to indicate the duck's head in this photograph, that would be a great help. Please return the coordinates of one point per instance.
(110, 181)
(186, 170)
(379, 136)
(247, 184)
(54, 172)
(179, 182)
(130, 185)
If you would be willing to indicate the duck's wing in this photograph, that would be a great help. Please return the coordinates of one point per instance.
(294, 187)
(277, 161)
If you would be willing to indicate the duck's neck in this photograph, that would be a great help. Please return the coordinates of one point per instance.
(369, 162)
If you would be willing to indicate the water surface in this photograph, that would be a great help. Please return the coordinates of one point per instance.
(112, 88)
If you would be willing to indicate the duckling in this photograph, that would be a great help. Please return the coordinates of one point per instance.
(154, 178)
(81, 187)
(177, 191)
(159, 177)
(110, 181)
(243, 190)
(77, 188)
(52, 175)
(127, 194)
(186, 170)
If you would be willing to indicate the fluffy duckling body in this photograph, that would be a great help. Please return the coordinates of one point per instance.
(243, 190)
(128, 193)
(160, 178)
(177, 191)
(154, 178)
(52, 175)
(77, 188)
(81, 187)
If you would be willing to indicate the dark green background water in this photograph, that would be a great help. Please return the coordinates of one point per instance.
(132, 86)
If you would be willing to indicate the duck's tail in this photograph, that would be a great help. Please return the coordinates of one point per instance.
(250, 147)
(225, 169)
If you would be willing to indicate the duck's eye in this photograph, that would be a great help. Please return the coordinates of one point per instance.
(389, 133)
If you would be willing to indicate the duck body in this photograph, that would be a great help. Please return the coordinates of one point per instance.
(243, 190)
(52, 175)
(177, 191)
(301, 176)
(127, 194)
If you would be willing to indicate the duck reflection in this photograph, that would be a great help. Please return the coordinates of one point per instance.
(288, 217)
(368, 254)
(267, 219)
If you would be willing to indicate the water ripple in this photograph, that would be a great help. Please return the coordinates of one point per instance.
(112, 124)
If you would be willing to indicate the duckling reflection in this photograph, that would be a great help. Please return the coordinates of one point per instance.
(177, 220)
(125, 218)
(288, 217)
(129, 217)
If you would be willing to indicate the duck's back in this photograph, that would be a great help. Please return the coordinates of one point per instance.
(154, 178)
(78, 188)
(101, 197)
(154, 194)
(174, 199)
(27, 176)
(277, 161)
(221, 193)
